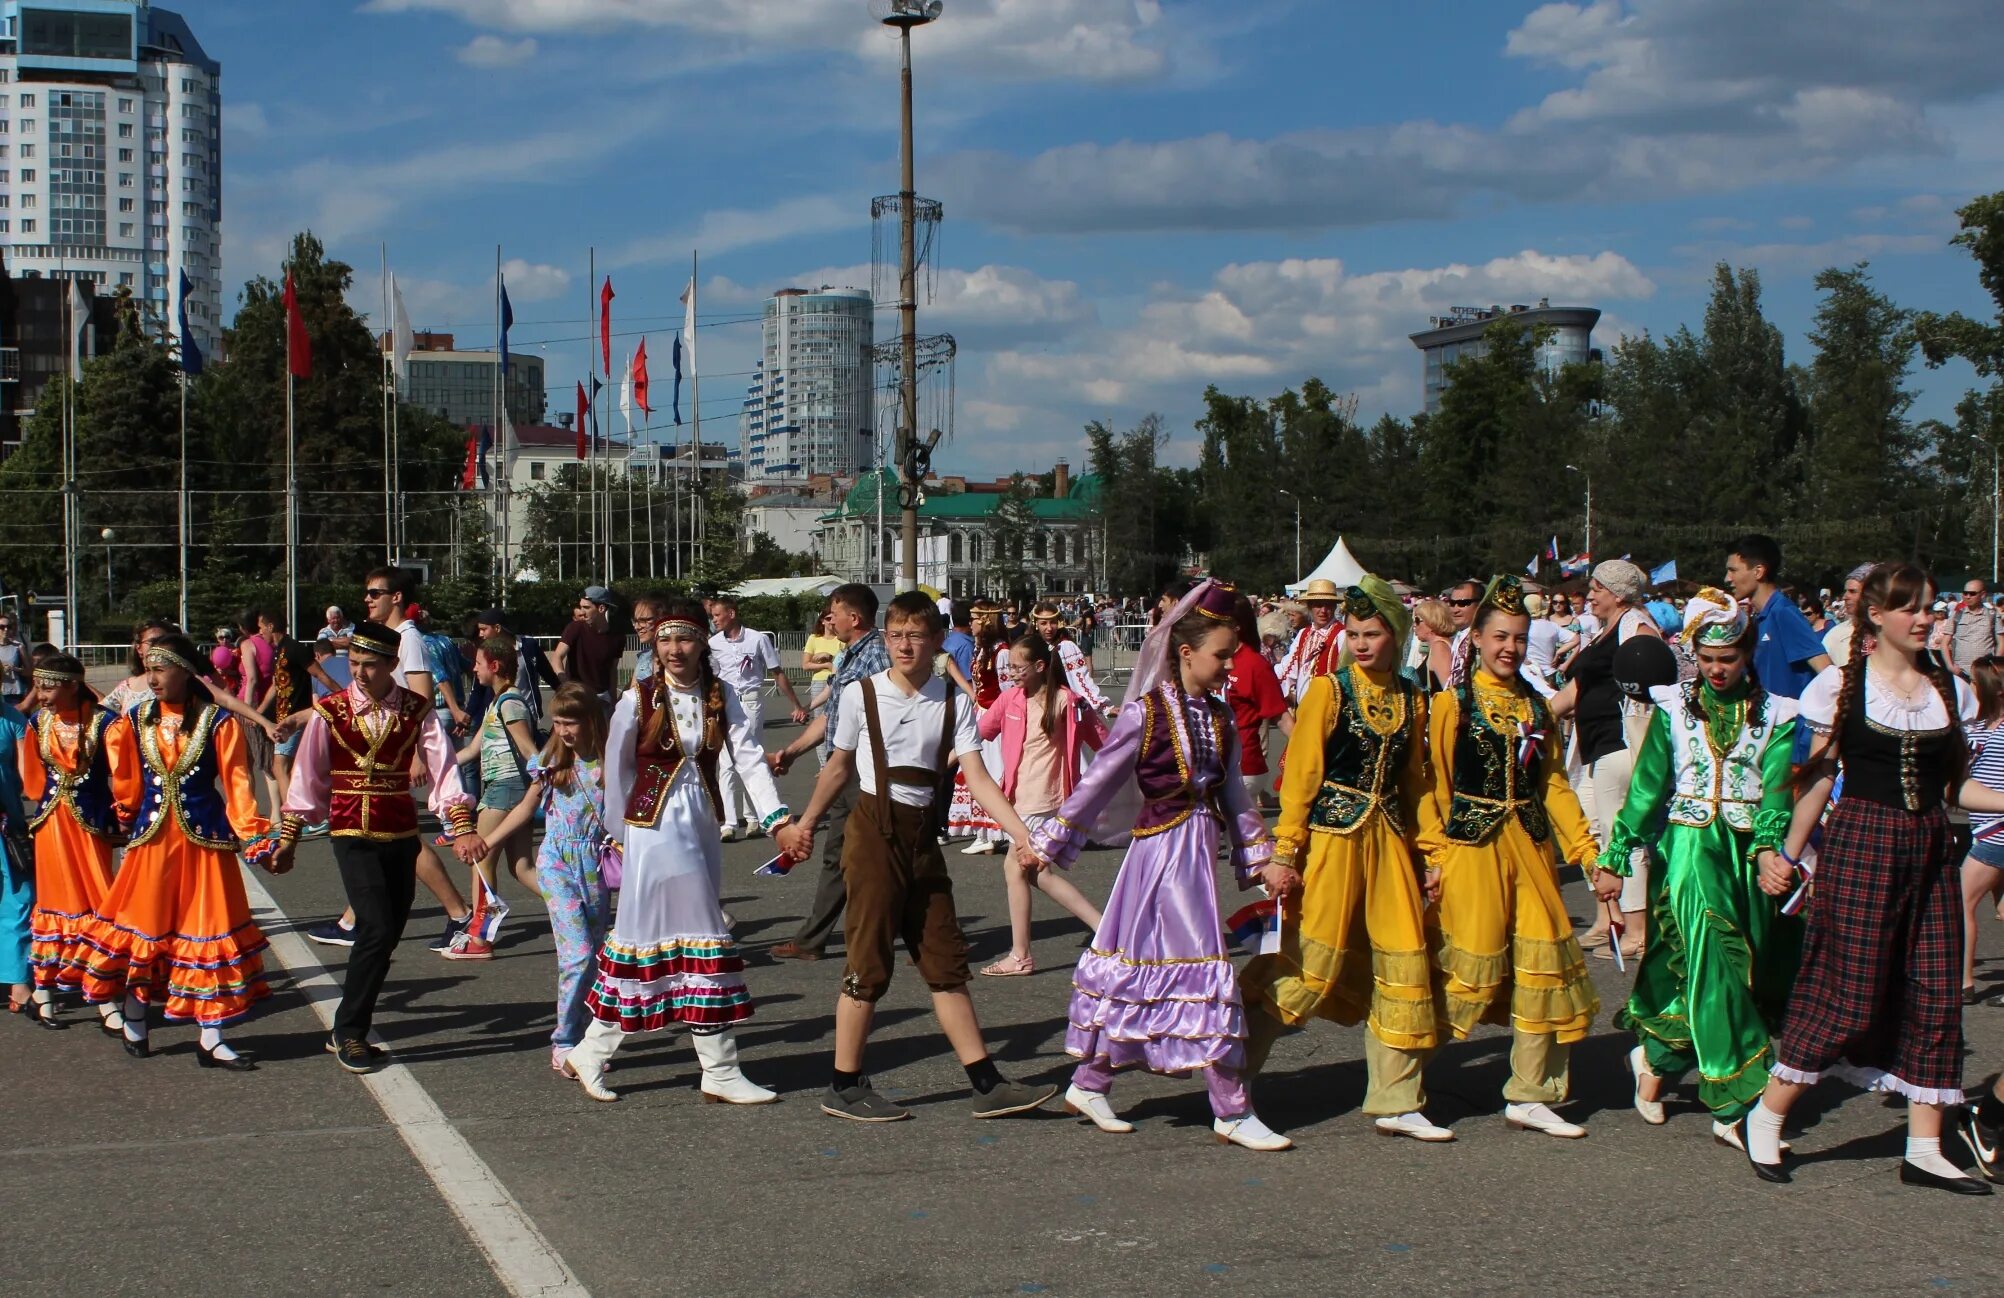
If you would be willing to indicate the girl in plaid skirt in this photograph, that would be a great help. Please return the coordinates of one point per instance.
(1877, 1001)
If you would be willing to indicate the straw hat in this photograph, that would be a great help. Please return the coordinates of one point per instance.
(1320, 591)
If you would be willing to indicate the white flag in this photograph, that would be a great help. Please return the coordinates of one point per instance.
(400, 338)
(689, 327)
(626, 398)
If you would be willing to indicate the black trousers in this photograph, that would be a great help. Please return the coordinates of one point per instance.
(381, 879)
(832, 892)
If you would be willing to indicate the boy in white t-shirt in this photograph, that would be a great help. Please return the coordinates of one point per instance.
(899, 728)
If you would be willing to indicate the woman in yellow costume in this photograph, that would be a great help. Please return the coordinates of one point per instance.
(1497, 806)
(1353, 934)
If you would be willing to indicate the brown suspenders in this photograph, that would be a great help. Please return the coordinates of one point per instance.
(910, 776)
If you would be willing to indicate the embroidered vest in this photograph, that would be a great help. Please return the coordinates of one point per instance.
(1361, 761)
(369, 780)
(1490, 784)
(189, 792)
(1175, 775)
(1710, 783)
(84, 792)
(659, 758)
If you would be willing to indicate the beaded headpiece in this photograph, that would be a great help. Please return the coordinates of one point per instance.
(1712, 617)
(161, 656)
(1506, 594)
(679, 626)
(47, 675)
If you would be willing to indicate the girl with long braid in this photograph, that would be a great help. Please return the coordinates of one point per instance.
(1877, 1001)
(1497, 806)
(670, 957)
(1711, 792)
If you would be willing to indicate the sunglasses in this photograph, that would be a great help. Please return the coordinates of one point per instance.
(377, 594)
(1972, 592)
(1452, 602)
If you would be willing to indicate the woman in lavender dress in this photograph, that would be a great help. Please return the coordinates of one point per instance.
(1156, 990)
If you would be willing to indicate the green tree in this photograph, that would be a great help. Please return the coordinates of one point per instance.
(1964, 472)
(1010, 571)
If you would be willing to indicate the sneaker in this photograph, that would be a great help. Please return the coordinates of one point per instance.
(465, 946)
(331, 934)
(355, 1056)
(1982, 1141)
(1011, 1097)
(861, 1103)
(453, 928)
(376, 1053)
(318, 830)
(443, 840)
(729, 833)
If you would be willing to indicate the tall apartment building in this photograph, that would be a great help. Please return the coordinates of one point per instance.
(809, 408)
(1459, 336)
(459, 386)
(111, 154)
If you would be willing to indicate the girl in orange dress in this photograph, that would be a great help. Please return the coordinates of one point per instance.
(175, 930)
(66, 785)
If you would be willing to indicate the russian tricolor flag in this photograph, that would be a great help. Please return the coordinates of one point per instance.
(1257, 927)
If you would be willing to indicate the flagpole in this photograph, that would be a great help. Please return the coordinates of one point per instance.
(500, 521)
(181, 498)
(72, 505)
(591, 443)
(291, 502)
(390, 329)
(696, 425)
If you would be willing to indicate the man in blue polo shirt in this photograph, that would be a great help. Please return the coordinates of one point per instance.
(1788, 654)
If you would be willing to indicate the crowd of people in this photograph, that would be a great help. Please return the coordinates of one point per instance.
(1769, 798)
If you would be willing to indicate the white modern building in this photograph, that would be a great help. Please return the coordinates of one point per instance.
(1567, 339)
(111, 154)
(809, 409)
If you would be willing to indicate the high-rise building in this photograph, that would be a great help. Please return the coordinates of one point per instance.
(809, 408)
(1458, 335)
(111, 155)
(459, 386)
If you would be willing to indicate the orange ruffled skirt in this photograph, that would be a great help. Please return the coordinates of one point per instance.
(72, 879)
(176, 931)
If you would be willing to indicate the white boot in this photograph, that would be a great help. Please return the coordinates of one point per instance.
(586, 1062)
(723, 1083)
(1249, 1132)
(1092, 1105)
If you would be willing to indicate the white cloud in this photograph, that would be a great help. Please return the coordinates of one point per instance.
(1006, 40)
(1779, 257)
(1668, 97)
(489, 51)
(244, 118)
(984, 308)
(534, 281)
(730, 229)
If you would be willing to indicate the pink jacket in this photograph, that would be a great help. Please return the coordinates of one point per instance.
(1077, 725)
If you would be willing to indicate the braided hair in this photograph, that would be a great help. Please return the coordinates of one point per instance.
(682, 609)
(1892, 586)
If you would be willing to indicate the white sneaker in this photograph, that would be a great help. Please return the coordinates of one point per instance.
(1651, 1110)
(1092, 1105)
(1248, 1132)
(729, 833)
(1536, 1117)
(1416, 1125)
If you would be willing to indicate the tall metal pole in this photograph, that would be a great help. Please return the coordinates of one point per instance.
(291, 505)
(389, 508)
(907, 324)
(1589, 516)
(591, 443)
(181, 503)
(695, 424)
(1995, 501)
(72, 504)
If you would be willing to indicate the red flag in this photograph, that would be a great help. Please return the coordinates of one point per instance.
(471, 473)
(298, 348)
(605, 325)
(640, 378)
(584, 414)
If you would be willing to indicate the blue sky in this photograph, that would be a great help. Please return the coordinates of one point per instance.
(1142, 196)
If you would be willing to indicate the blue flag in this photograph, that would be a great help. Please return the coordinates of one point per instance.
(1531, 568)
(486, 445)
(676, 397)
(191, 355)
(507, 323)
(1663, 573)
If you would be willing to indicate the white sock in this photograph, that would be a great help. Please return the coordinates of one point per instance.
(42, 996)
(1925, 1153)
(1764, 1135)
(212, 1041)
(135, 1018)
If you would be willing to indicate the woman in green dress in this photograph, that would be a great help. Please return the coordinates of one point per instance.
(1710, 792)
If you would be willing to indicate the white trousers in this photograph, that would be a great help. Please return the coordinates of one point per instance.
(750, 734)
(1603, 787)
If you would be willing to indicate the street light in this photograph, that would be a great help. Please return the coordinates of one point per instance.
(1297, 529)
(110, 601)
(905, 15)
(1574, 468)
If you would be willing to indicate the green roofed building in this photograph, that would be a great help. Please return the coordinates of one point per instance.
(962, 525)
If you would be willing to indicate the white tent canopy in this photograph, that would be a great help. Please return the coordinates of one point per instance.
(1339, 566)
(786, 586)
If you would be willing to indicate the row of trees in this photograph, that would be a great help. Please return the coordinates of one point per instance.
(1688, 441)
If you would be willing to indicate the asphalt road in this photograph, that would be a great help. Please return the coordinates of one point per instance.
(153, 1177)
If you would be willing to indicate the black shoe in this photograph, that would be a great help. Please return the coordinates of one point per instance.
(376, 1053)
(1983, 1143)
(453, 928)
(1971, 996)
(45, 1017)
(353, 1055)
(861, 1104)
(234, 1063)
(140, 1049)
(1920, 1176)
(1011, 1098)
(1773, 1173)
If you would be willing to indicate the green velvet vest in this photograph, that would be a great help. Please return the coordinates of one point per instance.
(1360, 767)
(1490, 784)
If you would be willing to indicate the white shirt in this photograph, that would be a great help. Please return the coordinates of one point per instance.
(742, 662)
(911, 726)
(410, 655)
(1818, 704)
(1544, 642)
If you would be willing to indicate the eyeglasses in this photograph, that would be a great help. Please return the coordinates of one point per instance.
(376, 594)
(907, 637)
(1452, 602)
(1977, 591)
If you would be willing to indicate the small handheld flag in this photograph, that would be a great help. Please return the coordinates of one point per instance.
(1256, 927)
(778, 867)
(488, 911)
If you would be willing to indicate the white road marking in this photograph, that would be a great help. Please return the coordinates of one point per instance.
(525, 1262)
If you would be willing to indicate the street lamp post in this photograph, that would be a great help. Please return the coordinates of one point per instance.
(905, 15)
(1589, 505)
(1297, 529)
(110, 600)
